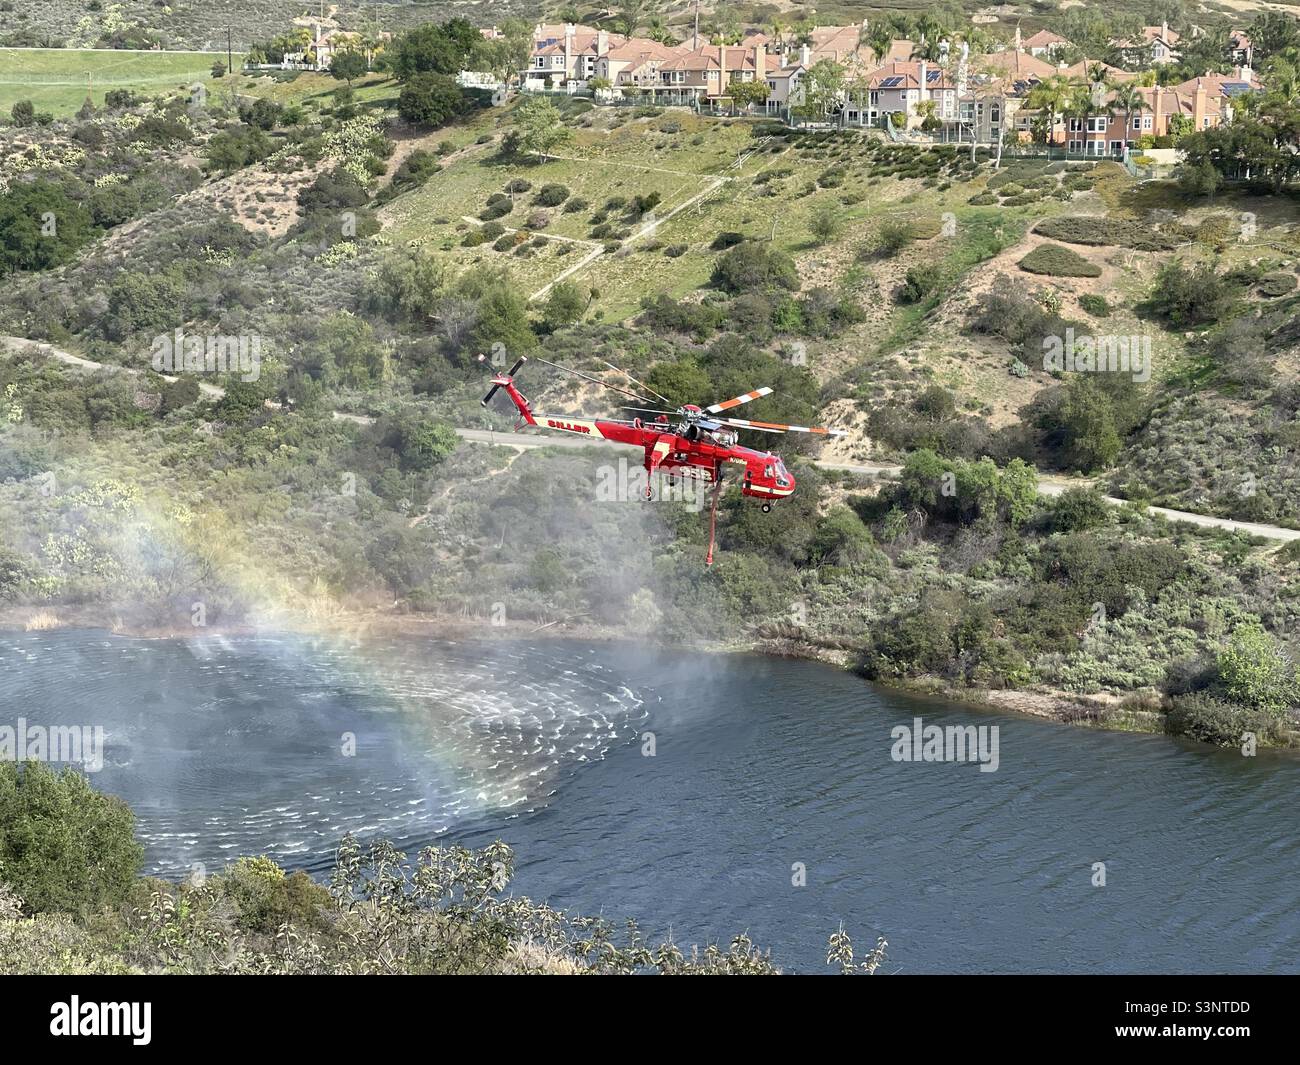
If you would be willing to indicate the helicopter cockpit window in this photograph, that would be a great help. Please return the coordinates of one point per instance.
(782, 475)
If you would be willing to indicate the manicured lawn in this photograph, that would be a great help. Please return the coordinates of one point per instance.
(59, 79)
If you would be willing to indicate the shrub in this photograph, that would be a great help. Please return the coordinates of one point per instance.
(551, 195)
(1204, 717)
(1273, 285)
(496, 209)
(576, 204)
(1079, 509)
(894, 236)
(919, 282)
(752, 266)
(1187, 296)
(519, 185)
(63, 845)
(1054, 260)
(1095, 305)
(674, 251)
(726, 239)
(1121, 233)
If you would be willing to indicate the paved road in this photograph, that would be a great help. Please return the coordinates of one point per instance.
(1048, 485)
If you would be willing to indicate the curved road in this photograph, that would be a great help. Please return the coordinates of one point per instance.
(1047, 485)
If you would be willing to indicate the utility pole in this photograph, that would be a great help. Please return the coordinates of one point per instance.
(230, 62)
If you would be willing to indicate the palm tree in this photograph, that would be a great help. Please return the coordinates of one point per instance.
(928, 28)
(899, 25)
(1127, 100)
(878, 38)
(778, 29)
(929, 50)
(1052, 95)
(977, 40)
(657, 30)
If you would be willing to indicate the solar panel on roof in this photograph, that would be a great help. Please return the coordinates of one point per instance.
(1235, 88)
(891, 82)
(933, 75)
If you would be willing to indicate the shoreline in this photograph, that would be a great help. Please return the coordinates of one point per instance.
(1103, 710)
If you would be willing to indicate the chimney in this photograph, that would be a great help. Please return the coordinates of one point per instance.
(1157, 108)
(1018, 46)
(925, 92)
(602, 42)
(760, 61)
(1164, 30)
(1198, 106)
(805, 55)
(568, 49)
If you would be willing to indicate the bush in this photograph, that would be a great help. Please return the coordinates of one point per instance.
(919, 282)
(1053, 260)
(674, 251)
(63, 845)
(753, 266)
(551, 195)
(1079, 509)
(1095, 305)
(519, 185)
(1188, 296)
(726, 239)
(1120, 233)
(1273, 285)
(1204, 717)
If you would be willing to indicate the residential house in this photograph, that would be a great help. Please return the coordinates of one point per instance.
(907, 87)
(636, 62)
(1110, 131)
(1045, 44)
(1157, 44)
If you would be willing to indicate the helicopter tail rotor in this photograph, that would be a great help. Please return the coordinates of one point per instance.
(513, 370)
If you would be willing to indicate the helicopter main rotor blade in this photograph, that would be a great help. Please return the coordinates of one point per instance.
(588, 377)
(748, 397)
(649, 410)
(639, 384)
(777, 427)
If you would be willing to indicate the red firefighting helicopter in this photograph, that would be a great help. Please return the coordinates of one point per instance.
(699, 444)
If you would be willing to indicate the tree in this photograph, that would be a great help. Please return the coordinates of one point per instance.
(63, 845)
(748, 93)
(1052, 95)
(348, 65)
(822, 87)
(537, 121)
(425, 443)
(435, 49)
(218, 69)
(1128, 101)
(826, 222)
(431, 99)
(40, 227)
(632, 14)
(23, 113)
(1083, 426)
(565, 304)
